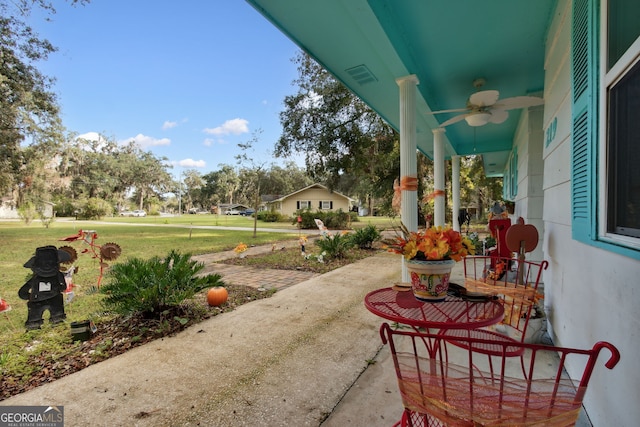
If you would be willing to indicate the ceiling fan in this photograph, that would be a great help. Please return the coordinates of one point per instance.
(484, 107)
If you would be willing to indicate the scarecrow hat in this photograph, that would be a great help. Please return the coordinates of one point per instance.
(46, 261)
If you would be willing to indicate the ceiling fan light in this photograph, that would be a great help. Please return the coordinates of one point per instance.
(478, 119)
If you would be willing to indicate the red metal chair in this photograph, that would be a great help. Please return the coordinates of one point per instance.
(516, 284)
(453, 387)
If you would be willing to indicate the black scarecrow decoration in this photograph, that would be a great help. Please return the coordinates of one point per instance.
(43, 290)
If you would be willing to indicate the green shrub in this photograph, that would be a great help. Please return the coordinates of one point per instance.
(27, 212)
(365, 237)
(152, 286)
(335, 245)
(334, 220)
(95, 208)
(64, 207)
(308, 219)
(489, 242)
(270, 216)
(337, 220)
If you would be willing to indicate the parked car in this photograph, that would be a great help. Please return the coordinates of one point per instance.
(138, 212)
(232, 212)
(248, 212)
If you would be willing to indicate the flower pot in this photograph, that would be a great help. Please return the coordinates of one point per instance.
(81, 331)
(430, 279)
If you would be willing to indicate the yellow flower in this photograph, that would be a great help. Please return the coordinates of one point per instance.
(434, 244)
(410, 250)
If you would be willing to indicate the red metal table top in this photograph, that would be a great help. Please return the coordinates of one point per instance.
(452, 313)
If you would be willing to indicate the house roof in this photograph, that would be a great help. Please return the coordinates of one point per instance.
(309, 187)
(446, 44)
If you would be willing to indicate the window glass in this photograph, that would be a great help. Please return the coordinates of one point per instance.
(623, 179)
(326, 205)
(304, 204)
(623, 27)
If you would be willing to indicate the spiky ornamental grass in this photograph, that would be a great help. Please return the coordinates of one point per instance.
(152, 286)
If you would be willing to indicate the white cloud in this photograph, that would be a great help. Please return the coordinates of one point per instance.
(190, 163)
(97, 139)
(230, 127)
(169, 125)
(144, 141)
(91, 136)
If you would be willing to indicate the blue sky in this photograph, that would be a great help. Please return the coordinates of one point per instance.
(188, 80)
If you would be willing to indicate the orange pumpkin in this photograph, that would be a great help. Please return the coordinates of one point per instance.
(217, 296)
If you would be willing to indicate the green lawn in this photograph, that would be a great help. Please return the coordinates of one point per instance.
(154, 236)
(20, 242)
(238, 221)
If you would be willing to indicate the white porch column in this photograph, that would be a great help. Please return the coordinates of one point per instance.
(408, 148)
(438, 177)
(455, 188)
(408, 157)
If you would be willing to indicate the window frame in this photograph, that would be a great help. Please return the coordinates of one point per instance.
(304, 204)
(607, 79)
(326, 205)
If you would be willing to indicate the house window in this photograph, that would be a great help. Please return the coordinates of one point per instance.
(510, 177)
(326, 205)
(622, 86)
(304, 204)
(605, 181)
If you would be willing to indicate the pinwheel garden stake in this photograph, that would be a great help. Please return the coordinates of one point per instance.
(107, 252)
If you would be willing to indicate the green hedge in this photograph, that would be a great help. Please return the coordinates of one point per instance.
(334, 220)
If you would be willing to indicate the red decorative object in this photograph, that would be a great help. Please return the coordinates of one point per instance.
(439, 390)
(107, 252)
(217, 296)
(498, 229)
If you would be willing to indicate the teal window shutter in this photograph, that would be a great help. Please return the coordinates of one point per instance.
(584, 48)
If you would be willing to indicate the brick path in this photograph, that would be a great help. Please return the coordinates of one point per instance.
(251, 276)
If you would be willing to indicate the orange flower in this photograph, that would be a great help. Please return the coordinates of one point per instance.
(435, 243)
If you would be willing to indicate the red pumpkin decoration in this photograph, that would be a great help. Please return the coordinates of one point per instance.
(217, 296)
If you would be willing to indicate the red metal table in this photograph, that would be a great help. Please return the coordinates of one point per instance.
(452, 313)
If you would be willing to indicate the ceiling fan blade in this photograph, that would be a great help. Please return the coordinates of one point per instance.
(455, 110)
(453, 120)
(498, 116)
(485, 98)
(519, 102)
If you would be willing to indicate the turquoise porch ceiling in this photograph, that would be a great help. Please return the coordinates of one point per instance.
(368, 44)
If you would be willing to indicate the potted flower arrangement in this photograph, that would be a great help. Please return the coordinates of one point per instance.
(430, 256)
(240, 249)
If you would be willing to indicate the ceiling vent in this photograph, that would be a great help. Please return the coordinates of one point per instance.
(362, 74)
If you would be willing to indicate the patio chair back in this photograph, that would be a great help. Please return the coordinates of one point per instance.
(453, 385)
(515, 282)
